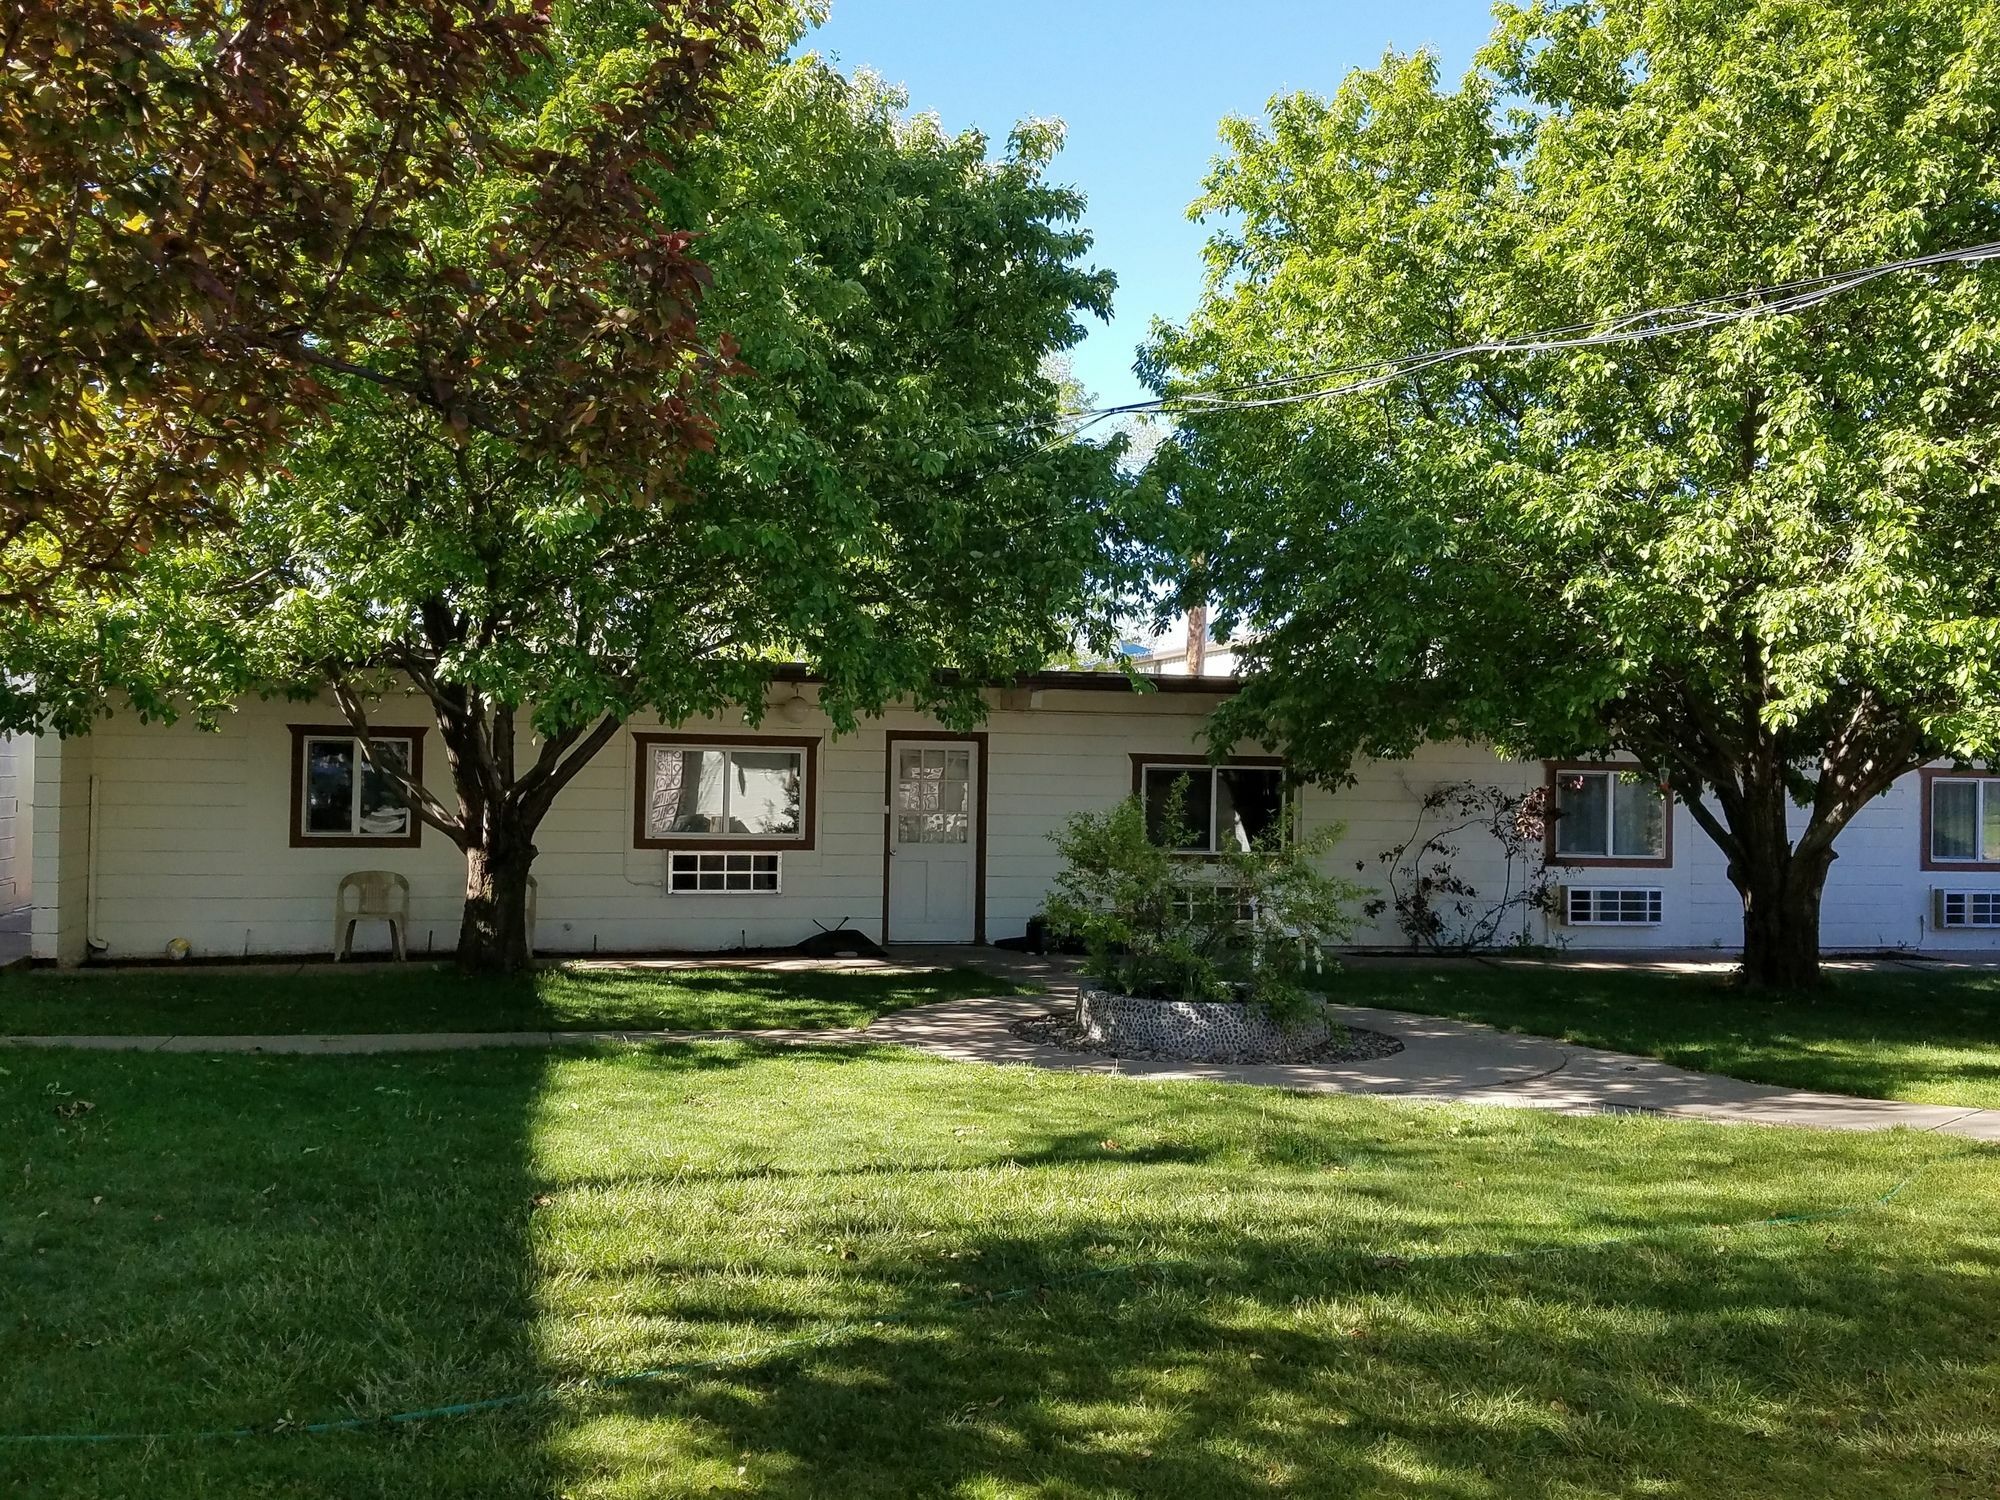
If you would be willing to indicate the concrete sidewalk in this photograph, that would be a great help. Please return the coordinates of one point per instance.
(1456, 1061)
(1452, 1061)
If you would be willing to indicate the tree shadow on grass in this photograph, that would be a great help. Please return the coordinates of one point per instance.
(1873, 1033)
(222, 1242)
(999, 1283)
(1081, 1314)
(1265, 1367)
(435, 997)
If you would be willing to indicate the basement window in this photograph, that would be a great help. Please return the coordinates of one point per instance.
(723, 874)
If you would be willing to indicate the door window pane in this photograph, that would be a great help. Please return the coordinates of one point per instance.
(1639, 818)
(1583, 813)
(1954, 818)
(933, 795)
(329, 786)
(1249, 806)
(1179, 801)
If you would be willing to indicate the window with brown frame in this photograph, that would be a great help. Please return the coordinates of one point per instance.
(723, 792)
(340, 796)
(1238, 805)
(1961, 818)
(1608, 815)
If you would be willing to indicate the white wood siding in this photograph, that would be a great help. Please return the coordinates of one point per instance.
(1878, 895)
(17, 800)
(61, 847)
(194, 835)
(194, 840)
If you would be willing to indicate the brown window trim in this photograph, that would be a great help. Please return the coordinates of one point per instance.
(300, 734)
(976, 738)
(1552, 858)
(750, 842)
(1141, 760)
(1929, 776)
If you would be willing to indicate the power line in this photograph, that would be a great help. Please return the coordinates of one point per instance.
(1709, 312)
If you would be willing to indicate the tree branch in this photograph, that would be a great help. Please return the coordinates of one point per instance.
(559, 775)
(428, 807)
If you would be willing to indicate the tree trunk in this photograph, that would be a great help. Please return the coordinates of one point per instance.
(500, 806)
(493, 934)
(1780, 887)
(1781, 929)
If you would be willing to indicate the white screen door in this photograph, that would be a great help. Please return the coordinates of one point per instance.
(933, 840)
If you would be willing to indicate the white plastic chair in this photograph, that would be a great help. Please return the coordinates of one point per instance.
(370, 896)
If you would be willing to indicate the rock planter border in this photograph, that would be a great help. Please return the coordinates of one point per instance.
(1198, 1030)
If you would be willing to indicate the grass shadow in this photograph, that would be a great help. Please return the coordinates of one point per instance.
(435, 997)
(195, 1243)
(996, 1282)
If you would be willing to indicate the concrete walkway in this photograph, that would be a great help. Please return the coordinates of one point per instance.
(1454, 1061)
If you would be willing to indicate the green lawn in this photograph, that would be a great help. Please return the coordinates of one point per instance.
(1930, 1036)
(1231, 1291)
(434, 997)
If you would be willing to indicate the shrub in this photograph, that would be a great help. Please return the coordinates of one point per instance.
(1243, 925)
(1438, 908)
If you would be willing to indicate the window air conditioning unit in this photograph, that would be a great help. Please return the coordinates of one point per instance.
(1965, 908)
(1611, 906)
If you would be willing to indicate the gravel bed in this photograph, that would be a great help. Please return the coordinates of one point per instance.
(1346, 1044)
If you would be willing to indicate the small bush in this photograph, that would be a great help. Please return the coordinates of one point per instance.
(1438, 908)
(1242, 925)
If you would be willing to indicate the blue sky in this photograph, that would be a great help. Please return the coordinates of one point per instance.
(1143, 85)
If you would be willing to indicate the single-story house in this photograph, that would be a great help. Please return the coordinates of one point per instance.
(713, 835)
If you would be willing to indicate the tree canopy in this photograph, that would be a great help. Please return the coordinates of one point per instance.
(215, 217)
(1758, 557)
(877, 500)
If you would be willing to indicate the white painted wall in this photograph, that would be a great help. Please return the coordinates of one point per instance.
(17, 801)
(193, 840)
(61, 846)
(1878, 895)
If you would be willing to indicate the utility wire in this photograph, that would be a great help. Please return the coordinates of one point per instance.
(1709, 312)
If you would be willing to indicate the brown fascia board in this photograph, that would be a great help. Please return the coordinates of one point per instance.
(1069, 681)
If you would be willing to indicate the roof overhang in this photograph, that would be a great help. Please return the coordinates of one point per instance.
(1078, 681)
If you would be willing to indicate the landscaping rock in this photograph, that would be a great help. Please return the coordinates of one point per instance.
(1200, 1031)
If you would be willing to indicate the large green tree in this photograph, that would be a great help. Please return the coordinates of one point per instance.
(1759, 557)
(216, 215)
(880, 502)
